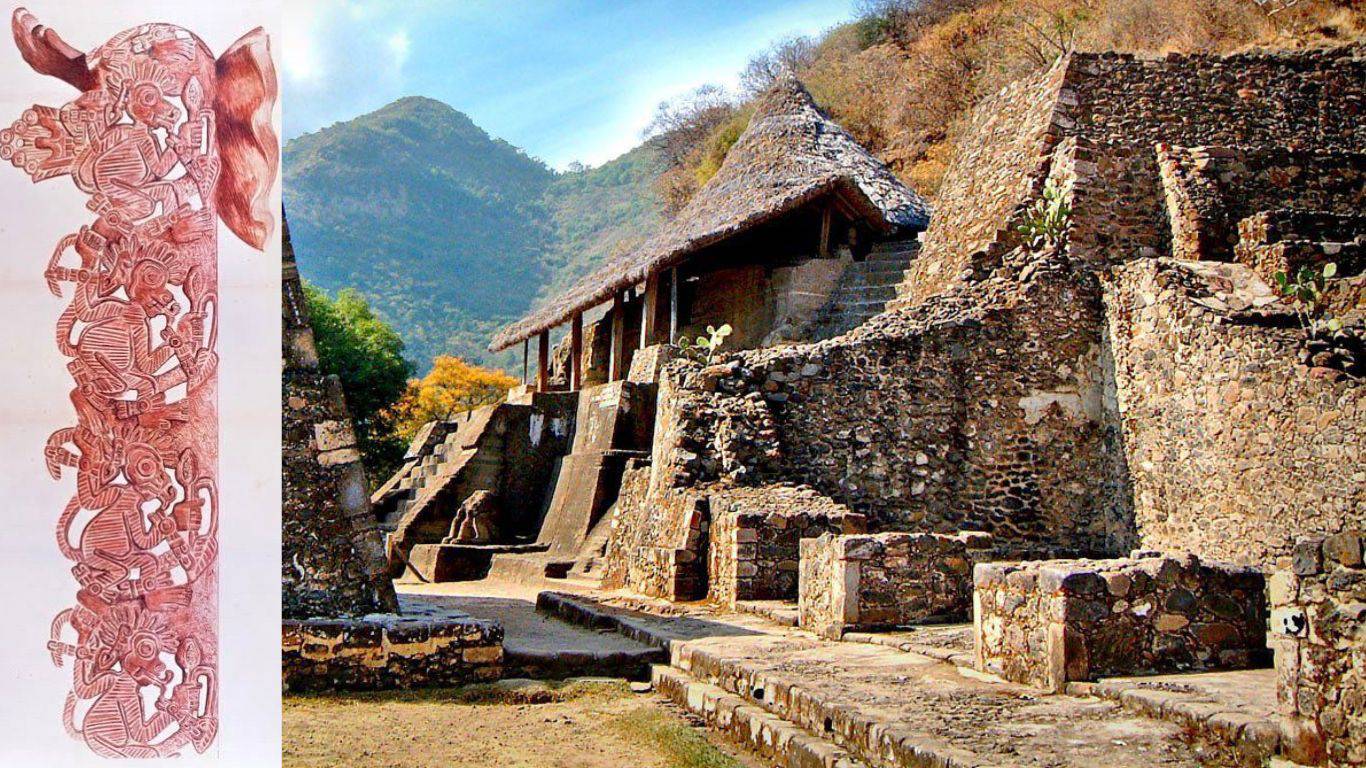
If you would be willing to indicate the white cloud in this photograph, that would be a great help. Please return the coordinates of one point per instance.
(301, 56)
(399, 45)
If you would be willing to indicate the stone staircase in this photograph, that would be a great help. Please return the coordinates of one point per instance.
(864, 289)
(801, 701)
(588, 564)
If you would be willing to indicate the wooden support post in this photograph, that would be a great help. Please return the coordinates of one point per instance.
(673, 305)
(618, 346)
(526, 344)
(576, 352)
(827, 223)
(543, 355)
(649, 312)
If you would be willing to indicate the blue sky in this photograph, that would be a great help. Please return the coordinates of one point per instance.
(563, 79)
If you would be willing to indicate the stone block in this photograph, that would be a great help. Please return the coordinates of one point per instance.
(388, 651)
(864, 582)
(756, 536)
(1078, 620)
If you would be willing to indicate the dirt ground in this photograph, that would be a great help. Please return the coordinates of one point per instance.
(510, 725)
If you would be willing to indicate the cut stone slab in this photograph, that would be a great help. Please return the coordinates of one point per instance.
(461, 562)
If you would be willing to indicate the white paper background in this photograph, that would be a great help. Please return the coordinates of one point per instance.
(35, 581)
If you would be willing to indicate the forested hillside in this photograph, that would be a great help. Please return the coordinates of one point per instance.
(447, 231)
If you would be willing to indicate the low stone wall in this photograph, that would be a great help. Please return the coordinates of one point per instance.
(379, 653)
(872, 582)
(1318, 624)
(756, 536)
(1048, 623)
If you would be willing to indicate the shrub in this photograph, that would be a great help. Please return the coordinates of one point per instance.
(1046, 220)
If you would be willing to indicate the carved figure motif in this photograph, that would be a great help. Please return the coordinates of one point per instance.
(476, 522)
(166, 140)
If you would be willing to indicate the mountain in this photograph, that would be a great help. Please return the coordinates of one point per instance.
(449, 232)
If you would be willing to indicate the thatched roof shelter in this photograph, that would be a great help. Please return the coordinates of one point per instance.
(790, 155)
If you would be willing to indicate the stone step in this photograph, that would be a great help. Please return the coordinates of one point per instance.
(560, 664)
(901, 259)
(848, 293)
(891, 708)
(871, 306)
(882, 274)
(772, 737)
(778, 611)
(886, 246)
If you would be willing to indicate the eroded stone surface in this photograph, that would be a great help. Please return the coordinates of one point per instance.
(1318, 621)
(1050, 622)
(882, 581)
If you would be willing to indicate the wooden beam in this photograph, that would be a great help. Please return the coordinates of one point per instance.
(526, 344)
(827, 222)
(649, 312)
(543, 357)
(576, 352)
(673, 305)
(617, 357)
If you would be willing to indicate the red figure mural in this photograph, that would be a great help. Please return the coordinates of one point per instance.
(165, 140)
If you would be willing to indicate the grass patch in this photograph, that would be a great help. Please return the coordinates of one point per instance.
(680, 744)
(483, 694)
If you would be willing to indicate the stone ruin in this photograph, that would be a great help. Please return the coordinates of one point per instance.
(342, 627)
(1113, 448)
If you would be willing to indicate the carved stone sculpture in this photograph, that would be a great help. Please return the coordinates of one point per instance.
(165, 140)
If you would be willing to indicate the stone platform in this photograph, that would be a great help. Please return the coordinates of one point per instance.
(425, 647)
(778, 688)
(535, 645)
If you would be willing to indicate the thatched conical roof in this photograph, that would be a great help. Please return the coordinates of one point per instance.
(789, 155)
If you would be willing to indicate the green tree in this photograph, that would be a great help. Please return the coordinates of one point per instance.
(366, 353)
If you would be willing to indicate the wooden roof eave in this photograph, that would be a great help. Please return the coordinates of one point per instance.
(845, 192)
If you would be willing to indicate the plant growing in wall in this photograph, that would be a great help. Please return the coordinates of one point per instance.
(1327, 343)
(1046, 221)
(705, 348)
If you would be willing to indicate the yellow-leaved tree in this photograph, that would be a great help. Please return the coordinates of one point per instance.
(452, 386)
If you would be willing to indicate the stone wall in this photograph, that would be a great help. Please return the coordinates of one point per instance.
(393, 652)
(1284, 240)
(883, 581)
(1209, 190)
(1047, 623)
(756, 536)
(658, 539)
(1117, 107)
(991, 176)
(1298, 99)
(942, 417)
(1234, 448)
(1318, 621)
(332, 556)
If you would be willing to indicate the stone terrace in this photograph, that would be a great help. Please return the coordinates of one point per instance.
(781, 689)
